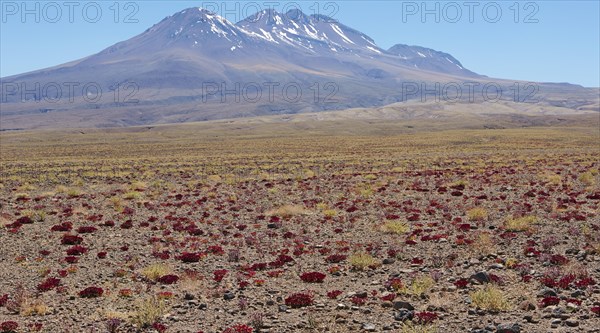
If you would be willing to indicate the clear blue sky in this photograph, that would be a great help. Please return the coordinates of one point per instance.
(547, 41)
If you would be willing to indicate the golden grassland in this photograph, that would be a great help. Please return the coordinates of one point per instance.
(143, 154)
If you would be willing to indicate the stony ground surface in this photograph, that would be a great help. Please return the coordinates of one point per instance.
(487, 244)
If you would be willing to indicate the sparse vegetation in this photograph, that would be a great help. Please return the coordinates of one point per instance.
(477, 214)
(520, 224)
(490, 298)
(148, 311)
(155, 271)
(395, 227)
(221, 223)
(361, 261)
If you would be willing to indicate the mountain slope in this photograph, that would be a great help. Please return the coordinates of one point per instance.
(195, 65)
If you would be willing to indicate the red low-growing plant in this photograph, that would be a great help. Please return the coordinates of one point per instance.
(127, 224)
(416, 261)
(190, 257)
(313, 277)
(219, 274)
(239, 328)
(3, 300)
(71, 259)
(526, 278)
(71, 240)
(394, 284)
(284, 258)
(585, 282)
(259, 266)
(86, 229)
(216, 250)
(596, 310)
(64, 227)
(548, 282)
(101, 255)
(550, 300)
(464, 227)
(168, 279)
(425, 317)
(358, 300)
(388, 297)
(9, 327)
(76, 250)
(24, 220)
(334, 294)
(574, 301)
(91, 292)
(160, 328)
(566, 281)
(35, 327)
(48, 284)
(558, 259)
(44, 253)
(298, 300)
(275, 273)
(461, 283)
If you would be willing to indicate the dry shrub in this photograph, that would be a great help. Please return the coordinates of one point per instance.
(287, 211)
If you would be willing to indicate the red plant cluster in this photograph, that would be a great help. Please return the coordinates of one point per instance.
(9, 327)
(71, 259)
(596, 310)
(425, 317)
(216, 250)
(336, 258)
(358, 300)
(275, 273)
(3, 300)
(190, 257)
(313, 277)
(76, 250)
(461, 283)
(48, 284)
(168, 279)
(64, 227)
(86, 229)
(91, 292)
(557, 259)
(160, 328)
(219, 274)
(334, 294)
(71, 240)
(550, 300)
(298, 300)
(239, 328)
(394, 284)
(567, 281)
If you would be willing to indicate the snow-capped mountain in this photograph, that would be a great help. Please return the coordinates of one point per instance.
(195, 65)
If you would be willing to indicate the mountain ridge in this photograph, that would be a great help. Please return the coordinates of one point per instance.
(185, 67)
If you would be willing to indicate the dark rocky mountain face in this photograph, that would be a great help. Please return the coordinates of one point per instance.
(196, 65)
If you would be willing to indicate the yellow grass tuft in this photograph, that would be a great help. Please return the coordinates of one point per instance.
(287, 211)
(155, 271)
(477, 214)
(490, 298)
(360, 261)
(148, 311)
(395, 227)
(520, 224)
